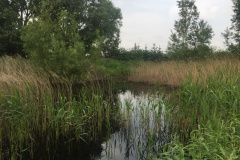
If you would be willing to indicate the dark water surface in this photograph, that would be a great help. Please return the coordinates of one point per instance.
(143, 132)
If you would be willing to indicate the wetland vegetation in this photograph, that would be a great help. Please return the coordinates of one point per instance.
(197, 119)
(69, 92)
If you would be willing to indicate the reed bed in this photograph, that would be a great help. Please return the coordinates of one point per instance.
(175, 73)
(206, 119)
(17, 73)
(38, 109)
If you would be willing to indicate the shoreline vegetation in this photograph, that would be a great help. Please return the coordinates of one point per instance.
(206, 118)
(61, 43)
(38, 109)
(176, 73)
(203, 112)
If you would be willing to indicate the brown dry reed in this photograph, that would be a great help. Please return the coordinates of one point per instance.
(175, 73)
(17, 74)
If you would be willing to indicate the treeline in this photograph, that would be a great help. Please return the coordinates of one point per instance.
(63, 36)
(138, 54)
(191, 38)
(69, 37)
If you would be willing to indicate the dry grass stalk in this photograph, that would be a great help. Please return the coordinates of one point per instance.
(176, 72)
(22, 76)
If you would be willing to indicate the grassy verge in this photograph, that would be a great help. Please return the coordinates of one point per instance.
(111, 69)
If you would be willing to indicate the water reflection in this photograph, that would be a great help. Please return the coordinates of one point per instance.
(143, 132)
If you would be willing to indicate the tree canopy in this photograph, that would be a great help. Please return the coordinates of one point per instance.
(191, 35)
(10, 29)
(232, 35)
(94, 19)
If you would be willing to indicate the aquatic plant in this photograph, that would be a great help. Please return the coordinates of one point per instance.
(37, 109)
(206, 119)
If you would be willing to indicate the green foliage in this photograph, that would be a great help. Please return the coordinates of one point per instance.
(236, 21)
(92, 18)
(192, 36)
(207, 118)
(232, 35)
(220, 141)
(104, 18)
(33, 117)
(55, 44)
(10, 29)
(137, 54)
(115, 69)
(14, 15)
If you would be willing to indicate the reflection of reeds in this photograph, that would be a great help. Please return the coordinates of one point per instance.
(143, 129)
(177, 72)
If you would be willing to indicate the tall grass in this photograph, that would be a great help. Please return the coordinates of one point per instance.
(175, 73)
(37, 109)
(207, 118)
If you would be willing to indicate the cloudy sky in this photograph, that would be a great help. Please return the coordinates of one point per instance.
(146, 22)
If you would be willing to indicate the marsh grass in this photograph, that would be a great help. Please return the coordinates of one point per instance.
(38, 109)
(33, 84)
(206, 118)
(176, 73)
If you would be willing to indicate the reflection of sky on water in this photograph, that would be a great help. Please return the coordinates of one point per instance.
(143, 131)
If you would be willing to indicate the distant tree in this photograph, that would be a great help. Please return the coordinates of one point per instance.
(236, 21)
(138, 54)
(232, 35)
(191, 35)
(227, 35)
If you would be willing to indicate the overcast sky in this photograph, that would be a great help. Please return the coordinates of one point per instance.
(150, 21)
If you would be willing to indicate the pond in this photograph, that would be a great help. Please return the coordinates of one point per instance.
(140, 132)
(143, 130)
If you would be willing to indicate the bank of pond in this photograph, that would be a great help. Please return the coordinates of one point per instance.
(109, 120)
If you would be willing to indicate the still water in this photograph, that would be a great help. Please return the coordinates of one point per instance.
(143, 131)
(140, 135)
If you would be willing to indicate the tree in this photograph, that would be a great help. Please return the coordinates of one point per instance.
(54, 43)
(236, 21)
(105, 20)
(94, 18)
(232, 35)
(192, 36)
(14, 14)
(10, 42)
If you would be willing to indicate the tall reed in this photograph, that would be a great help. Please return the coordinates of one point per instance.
(175, 73)
(38, 109)
(206, 118)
